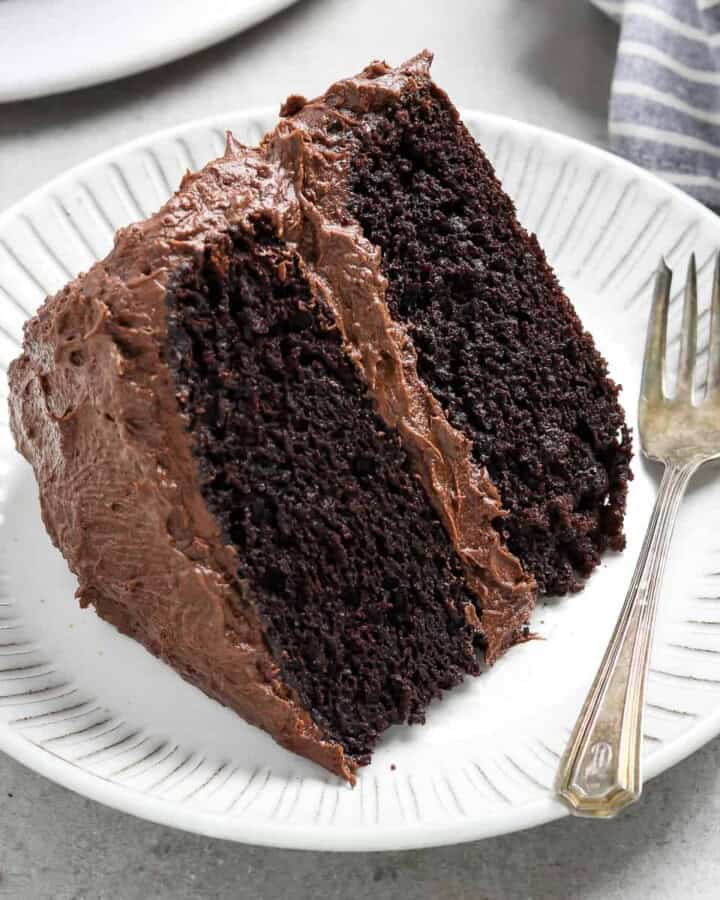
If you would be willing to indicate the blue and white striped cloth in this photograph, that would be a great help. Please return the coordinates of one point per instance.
(665, 101)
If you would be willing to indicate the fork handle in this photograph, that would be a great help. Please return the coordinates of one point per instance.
(599, 773)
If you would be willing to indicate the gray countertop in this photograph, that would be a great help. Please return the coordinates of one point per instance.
(544, 61)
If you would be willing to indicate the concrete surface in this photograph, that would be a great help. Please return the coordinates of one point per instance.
(545, 61)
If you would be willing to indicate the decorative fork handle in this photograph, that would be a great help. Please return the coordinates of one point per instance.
(599, 774)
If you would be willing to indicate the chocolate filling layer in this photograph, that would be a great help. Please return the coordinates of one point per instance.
(346, 270)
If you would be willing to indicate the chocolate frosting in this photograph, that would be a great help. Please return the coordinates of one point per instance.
(93, 408)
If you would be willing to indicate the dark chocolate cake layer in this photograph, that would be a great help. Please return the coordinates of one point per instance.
(497, 342)
(363, 599)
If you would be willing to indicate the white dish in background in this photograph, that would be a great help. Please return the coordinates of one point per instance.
(94, 711)
(47, 47)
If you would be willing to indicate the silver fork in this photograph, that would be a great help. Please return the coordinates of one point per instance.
(600, 774)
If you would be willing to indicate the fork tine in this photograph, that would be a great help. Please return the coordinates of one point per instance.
(656, 341)
(688, 335)
(713, 376)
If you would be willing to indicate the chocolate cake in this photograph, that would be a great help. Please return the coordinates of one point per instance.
(318, 431)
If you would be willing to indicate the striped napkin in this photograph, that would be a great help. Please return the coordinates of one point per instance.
(665, 99)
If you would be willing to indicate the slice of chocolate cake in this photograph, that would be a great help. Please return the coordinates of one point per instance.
(270, 427)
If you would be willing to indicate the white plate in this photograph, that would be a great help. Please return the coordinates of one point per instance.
(48, 46)
(93, 711)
